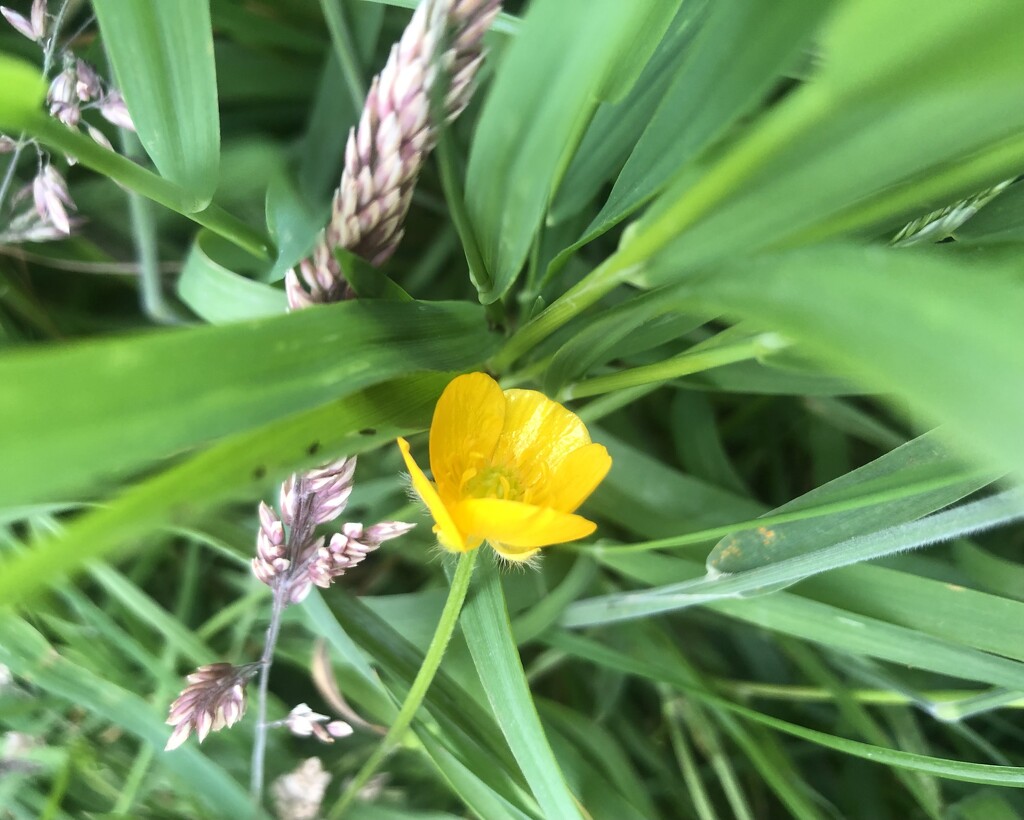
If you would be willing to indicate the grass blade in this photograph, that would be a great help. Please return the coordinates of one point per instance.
(151, 403)
(162, 54)
(487, 630)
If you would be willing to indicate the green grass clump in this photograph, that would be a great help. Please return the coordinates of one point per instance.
(768, 250)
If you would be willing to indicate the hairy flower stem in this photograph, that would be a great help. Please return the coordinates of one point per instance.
(420, 685)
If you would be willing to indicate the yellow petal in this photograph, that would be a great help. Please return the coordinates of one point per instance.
(447, 533)
(537, 437)
(467, 421)
(519, 526)
(578, 476)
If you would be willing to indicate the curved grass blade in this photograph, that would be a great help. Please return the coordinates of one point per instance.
(211, 287)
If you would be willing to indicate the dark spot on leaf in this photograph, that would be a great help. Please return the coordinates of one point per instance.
(369, 431)
(313, 448)
(259, 472)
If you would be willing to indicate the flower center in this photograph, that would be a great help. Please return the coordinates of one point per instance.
(492, 482)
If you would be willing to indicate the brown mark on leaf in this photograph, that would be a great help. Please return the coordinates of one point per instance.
(767, 536)
(729, 552)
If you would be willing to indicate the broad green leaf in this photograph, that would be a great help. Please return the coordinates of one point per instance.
(367, 281)
(545, 611)
(724, 77)
(923, 462)
(488, 633)
(322, 149)
(162, 55)
(869, 317)
(236, 467)
(75, 413)
(813, 167)
(567, 55)
(938, 93)
(617, 126)
(29, 656)
(990, 572)
(698, 442)
(212, 287)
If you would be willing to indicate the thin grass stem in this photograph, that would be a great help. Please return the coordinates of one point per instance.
(431, 663)
(345, 51)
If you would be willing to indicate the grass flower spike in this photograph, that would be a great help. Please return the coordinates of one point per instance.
(510, 467)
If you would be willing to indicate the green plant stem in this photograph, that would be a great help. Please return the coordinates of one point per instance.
(345, 51)
(144, 235)
(452, 188)
(684, 756)
(602, 281)
(675, 367)
(136, 178)
(875, 697)
(420, 685)
(607, 404)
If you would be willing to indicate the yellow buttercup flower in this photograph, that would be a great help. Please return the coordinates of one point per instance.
(509, 468)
